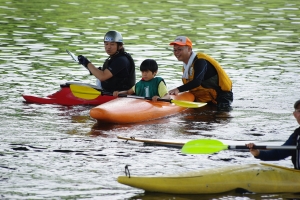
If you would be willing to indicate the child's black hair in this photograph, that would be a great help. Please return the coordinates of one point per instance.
(149, 64)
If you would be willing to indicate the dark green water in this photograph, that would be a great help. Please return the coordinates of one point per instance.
(55, 152)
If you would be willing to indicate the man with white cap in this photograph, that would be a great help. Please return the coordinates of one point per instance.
(202, 76)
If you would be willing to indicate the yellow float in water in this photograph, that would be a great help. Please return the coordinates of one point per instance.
(257, 178)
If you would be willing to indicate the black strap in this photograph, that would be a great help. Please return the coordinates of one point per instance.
(298, 152)
(127, 173)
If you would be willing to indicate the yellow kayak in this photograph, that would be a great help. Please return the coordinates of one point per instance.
(257, 178)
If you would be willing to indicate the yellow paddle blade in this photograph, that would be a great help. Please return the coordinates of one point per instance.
(203, 146)
(84, 92)
(85, 96)
(188, 104)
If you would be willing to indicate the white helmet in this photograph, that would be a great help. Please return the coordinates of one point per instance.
(113, 36)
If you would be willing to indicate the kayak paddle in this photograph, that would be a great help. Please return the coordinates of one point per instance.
(72, 55)
(185, 104)
(208, 146)
(86, 92)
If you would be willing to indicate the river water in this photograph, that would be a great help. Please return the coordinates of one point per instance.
(59, 152)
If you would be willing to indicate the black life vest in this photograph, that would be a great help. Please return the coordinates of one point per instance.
(296, 154)
(116, 83)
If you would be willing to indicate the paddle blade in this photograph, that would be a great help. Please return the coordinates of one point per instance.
(84, 92)
(203, 146)
(188, 104)
(72, 55)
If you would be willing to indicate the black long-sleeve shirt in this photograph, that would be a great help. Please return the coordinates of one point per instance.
(203, 70)
(279, 154)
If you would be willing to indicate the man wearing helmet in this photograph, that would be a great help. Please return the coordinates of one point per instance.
(118, 71)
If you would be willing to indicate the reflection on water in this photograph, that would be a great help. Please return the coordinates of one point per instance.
(49, 147)
(237, 194)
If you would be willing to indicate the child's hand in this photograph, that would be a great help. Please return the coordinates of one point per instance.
(116, 94)
(154, 98)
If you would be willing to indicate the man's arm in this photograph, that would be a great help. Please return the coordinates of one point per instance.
(99, 74)
(200, 68)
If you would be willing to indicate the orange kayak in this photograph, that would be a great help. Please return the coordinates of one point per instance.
(129, 110)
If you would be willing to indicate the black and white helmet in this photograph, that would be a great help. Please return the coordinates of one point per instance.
(113, 36)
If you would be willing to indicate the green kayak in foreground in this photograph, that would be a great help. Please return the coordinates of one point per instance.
(257, 178)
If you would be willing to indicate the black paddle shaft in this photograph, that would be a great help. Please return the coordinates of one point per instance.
(262, 147)
(147, 98)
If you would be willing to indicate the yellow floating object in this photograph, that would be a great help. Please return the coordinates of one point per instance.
(257, 178)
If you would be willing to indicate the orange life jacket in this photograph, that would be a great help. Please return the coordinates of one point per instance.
(208, 94)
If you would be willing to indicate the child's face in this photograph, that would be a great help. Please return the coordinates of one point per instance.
(148, 75)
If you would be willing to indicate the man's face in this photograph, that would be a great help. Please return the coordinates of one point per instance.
(182, 53)
(297, 114)
(111, 47)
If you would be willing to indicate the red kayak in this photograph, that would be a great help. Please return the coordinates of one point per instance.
(65, 97)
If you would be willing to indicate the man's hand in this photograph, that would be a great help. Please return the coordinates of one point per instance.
(254, 152)
(84, 61)
(174, 91)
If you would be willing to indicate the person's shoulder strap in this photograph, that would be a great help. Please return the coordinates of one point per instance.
(132, 64)
(297, 164)
(224, 81)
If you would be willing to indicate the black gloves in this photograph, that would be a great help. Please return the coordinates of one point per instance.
(84, 61)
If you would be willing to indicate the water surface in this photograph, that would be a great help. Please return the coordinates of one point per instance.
(59, 152)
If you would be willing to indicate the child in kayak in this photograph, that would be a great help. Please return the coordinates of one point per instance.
(149, 86)
(277, 154)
